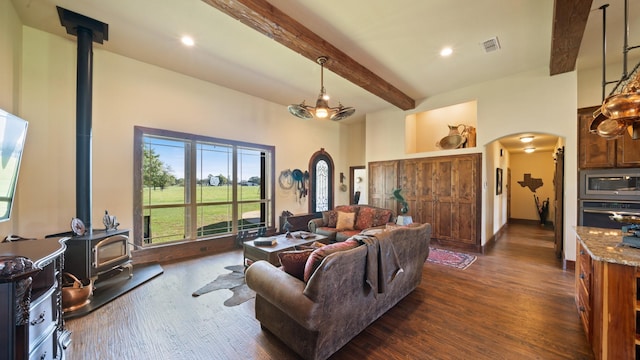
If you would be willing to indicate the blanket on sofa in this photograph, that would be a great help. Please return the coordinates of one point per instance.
(382, 263)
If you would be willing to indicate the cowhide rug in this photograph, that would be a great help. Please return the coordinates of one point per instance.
(233, 281)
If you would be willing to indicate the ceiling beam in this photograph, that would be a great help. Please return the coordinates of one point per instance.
(569, 21)
(270, 21)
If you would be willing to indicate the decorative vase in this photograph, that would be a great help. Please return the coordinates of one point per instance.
(404, 209)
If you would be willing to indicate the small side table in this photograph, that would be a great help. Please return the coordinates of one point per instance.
(404, 220)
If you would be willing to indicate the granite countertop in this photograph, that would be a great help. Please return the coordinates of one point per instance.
(606, 245)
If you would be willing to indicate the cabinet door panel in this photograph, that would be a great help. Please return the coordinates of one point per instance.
(466, 179)
(628, 151)
(594, 151)
(465, 215)
(426, 186)
(444, 221)
(383, 179)
(444, 183)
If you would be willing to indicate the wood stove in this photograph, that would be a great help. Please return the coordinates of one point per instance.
(98, 253)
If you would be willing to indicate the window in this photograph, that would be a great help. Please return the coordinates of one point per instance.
(321, 187)
(194, 187)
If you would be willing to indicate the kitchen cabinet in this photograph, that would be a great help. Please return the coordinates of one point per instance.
(597, 152)
(606, 293)
(444, 191)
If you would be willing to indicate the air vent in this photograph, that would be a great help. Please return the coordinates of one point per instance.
(491, 45)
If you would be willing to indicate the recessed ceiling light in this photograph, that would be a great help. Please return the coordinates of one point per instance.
(526, 139)
(529, 150)
(187, 40)
(446, 51)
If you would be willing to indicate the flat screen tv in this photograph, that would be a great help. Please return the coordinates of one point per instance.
(13, 131)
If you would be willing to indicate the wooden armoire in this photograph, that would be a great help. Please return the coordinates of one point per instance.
(444, 191)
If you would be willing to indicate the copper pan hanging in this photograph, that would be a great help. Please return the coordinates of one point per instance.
(612, 128)
(622, 106)
(598, 118)
(634, 129)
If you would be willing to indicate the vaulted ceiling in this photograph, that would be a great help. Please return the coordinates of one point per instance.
(382, 53)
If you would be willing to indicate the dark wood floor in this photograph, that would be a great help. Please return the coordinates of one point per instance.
(515, 302)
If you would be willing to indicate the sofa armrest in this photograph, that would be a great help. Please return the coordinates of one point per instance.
(315, 224)
(283, 291)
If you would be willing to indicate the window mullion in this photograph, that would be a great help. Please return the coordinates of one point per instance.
(191, 206)
(234, 189)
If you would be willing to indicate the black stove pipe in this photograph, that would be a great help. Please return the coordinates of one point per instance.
(87, 30)
(84, 103)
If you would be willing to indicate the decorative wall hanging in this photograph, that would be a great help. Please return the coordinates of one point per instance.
(285, 180)
(531, 182)
(295, 180)
(498, 181)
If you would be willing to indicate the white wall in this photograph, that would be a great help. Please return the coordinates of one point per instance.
(126, 93)
(530, 101)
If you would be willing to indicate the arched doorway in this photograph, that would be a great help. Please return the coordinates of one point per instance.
(321, 183)
(534, 186)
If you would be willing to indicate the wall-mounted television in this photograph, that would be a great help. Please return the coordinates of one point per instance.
(13, 131)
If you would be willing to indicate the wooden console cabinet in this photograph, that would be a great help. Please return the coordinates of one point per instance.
(597, 152)
(444, 191)
(31, 324)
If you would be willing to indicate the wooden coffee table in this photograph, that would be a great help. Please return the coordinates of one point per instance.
(270, 253)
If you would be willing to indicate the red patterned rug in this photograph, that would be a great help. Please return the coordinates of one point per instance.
(450, 258)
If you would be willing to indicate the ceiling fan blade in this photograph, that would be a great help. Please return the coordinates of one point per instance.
(343, 113)
(300, 111)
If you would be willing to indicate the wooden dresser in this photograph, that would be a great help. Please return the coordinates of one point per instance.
(607, 293)
(31, 324)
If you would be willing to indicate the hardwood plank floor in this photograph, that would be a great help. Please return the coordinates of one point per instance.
(515, 302)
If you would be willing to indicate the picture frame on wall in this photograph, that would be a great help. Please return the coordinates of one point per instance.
(498, 181)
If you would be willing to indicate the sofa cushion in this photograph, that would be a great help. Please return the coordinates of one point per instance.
(318, 255)
(345, 235)
(345, 221)
(293, 262)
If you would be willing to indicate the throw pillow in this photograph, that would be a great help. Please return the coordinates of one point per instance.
(382, 217)
(316, 257)
(293, 262)
(366, 217)
(345, 221)
(330, 218)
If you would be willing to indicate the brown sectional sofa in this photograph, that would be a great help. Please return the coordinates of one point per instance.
(318, 317)
(365, 217)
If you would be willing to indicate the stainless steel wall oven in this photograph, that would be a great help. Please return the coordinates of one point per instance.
(610, 184)
(606, 192)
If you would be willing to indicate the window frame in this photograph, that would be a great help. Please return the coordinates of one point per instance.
(266, 187)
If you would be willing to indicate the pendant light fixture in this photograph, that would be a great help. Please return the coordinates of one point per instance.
(322, 110)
